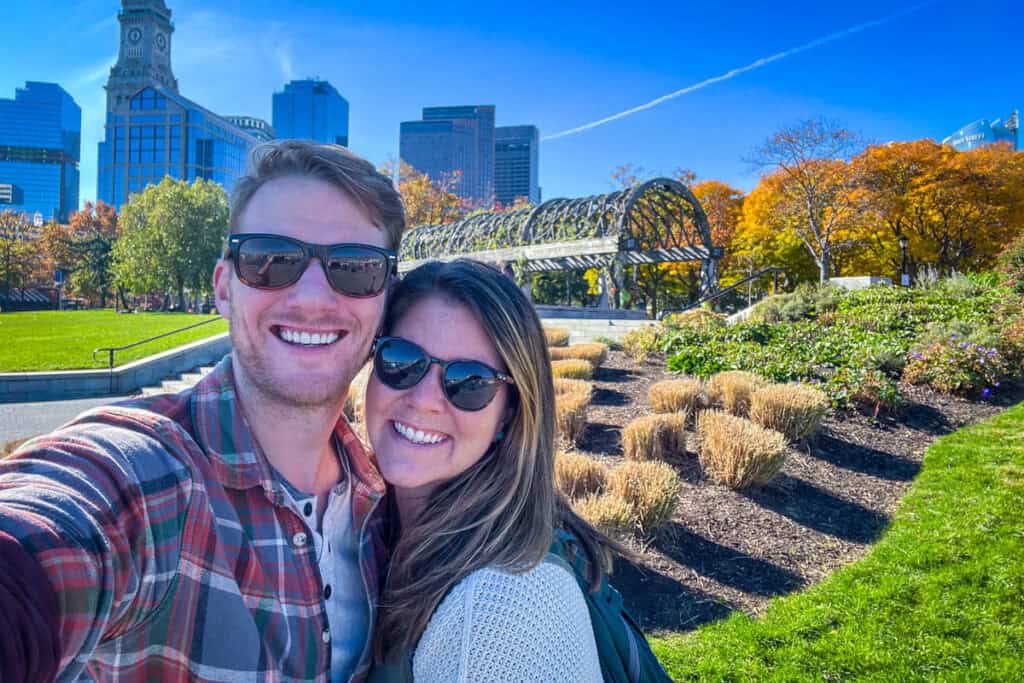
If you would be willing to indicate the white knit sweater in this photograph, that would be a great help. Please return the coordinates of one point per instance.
(496, 626)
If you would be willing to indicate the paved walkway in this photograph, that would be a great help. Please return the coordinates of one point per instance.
(20, 420)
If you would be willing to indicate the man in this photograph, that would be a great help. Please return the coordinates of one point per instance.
(232, 531)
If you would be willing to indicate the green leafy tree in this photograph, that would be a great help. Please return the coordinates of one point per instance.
(93, 233)
(15, 250)
(172, 234)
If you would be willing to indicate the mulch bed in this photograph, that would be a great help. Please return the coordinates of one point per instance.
(727, 550)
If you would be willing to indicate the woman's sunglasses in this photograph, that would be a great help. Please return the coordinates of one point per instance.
(268, 261)
(467, 384)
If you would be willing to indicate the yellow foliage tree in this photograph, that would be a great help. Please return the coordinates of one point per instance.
(426, 201)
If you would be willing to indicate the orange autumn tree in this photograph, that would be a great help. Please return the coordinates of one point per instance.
(426, 201)
(93, 232)
(723, 205)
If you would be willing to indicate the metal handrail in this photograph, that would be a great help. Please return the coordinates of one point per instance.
(773, 270)
(114, 349)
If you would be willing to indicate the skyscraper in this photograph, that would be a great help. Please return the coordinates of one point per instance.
(311, 110)
(516, 155)
(985, 132)
(152, 131)
(451, 139)
(40, 147)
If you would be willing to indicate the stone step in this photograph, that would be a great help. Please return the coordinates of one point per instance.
(184, 381)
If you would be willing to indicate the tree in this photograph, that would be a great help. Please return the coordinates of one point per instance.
(15, 250)
(93, 235)
(426, 201)
(723, 205)
(171, 237)
(811, 157)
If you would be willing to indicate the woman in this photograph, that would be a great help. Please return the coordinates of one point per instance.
(459, 410)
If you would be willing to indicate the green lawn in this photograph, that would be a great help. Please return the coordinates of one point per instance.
(940, 597)
(64, 340)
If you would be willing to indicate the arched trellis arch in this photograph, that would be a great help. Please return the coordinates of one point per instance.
(660, 221)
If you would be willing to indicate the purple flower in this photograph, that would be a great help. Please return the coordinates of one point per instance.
(986, 392)
(952, 335)
(963, 345)
(997, 385)
(991, 352)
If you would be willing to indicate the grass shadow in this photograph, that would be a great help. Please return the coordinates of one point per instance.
(609, 397)
(818, 509)
(659, 602)
(863, 459)
(602, 438)
(604, 374)
(725, 565)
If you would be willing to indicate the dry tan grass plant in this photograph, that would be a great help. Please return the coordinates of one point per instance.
(571, 416)
(356, 397)
(677, 395)
(578, 476)
(573, 387)
(572, 368)
(652, 489)
(594, 353)
(655, 437)
(609, 513)
(556, 336)
(732, 390)
(736, 452)
(795, 410)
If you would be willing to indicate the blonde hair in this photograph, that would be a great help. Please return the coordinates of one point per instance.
(356, 177)
(502, 511)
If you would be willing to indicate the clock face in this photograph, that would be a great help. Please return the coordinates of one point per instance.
(161, 42)
(134, 35)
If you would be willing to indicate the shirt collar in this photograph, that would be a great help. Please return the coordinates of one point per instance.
(222, 431)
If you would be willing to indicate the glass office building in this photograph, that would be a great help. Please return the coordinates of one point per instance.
(258, 128)
(40, 147)
(516, 156)
(451, 139)
(985, 132)
(311, 110)
(161, 133)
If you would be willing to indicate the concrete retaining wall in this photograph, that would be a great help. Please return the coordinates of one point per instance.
(16, 387)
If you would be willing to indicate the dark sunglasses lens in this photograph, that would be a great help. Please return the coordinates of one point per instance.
(400, 364)
(269, 262)
(356, 271)
(470, 385)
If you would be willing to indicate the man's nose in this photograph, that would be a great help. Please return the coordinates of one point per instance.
(313, 285)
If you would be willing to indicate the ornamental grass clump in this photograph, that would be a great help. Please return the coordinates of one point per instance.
(640, 342)
(578, 476)
(572, 368)
(571, 416)
(652, 489)
(556, 336)
(655, 437)
(736, 452)
(608, 513)
(573, 387)
(677, 395)
(592, 352)
(795, 410)
(732, 389)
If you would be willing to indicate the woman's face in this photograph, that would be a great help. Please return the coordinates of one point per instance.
(419, 437)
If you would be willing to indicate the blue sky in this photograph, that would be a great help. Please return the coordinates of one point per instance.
(559, 66)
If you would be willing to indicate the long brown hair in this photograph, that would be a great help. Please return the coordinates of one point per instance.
(502, 511)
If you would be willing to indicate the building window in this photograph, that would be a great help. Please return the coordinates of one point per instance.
(147, 99)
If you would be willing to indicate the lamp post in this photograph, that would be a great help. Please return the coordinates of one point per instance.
(904, 276)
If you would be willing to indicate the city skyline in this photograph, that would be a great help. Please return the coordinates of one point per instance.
(561, 72)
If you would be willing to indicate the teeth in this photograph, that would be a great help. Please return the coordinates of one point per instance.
(315, 339)
(416, 435)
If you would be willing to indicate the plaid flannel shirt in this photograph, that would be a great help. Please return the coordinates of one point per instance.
(169, 545)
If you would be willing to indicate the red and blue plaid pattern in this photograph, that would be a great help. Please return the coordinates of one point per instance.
(166, 538)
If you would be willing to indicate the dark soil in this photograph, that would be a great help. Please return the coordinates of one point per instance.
(727, 550)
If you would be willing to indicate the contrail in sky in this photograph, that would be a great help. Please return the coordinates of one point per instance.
(832, 37)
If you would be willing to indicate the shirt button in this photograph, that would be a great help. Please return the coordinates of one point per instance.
(308, 509)
(326, 635)
(299, 539)
(327, 592)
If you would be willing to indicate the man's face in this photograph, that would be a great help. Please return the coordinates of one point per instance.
(296, 374)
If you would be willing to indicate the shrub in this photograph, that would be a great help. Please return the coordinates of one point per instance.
(556, 336)
(640, 342)
(593, 353)
(864, 389)
(806, 301)
(577, 475)
(958, 367)
(571, 416)
(736, 452)
(572, 368)
(573, 387)
(677, 395)
(1011, 262)
(795, 410)
(696, 319)
(609, 513)
(652, 489)
(612, 344)
(654, 437)
(733, 389)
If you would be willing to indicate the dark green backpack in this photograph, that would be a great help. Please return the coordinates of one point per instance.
(621, 646)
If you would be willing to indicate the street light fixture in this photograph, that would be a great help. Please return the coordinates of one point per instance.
(904, 275)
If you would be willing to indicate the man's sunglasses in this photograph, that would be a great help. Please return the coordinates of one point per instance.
(268, 261)
(467, 384)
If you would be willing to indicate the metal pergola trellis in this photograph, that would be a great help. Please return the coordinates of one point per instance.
(659, 221)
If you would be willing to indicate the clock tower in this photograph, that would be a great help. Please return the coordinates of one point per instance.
(144, 57)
